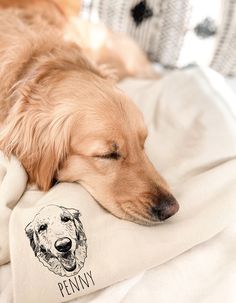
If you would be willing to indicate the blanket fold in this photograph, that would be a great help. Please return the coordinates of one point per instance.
(13, 179)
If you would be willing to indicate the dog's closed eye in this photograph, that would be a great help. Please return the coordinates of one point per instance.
(110, 156)
(42, 227)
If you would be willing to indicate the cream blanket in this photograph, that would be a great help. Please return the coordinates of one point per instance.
(192, 141)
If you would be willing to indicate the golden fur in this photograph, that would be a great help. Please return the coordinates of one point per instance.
(64, 118)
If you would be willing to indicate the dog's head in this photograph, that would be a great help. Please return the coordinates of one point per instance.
(57, 238)
(70, 122)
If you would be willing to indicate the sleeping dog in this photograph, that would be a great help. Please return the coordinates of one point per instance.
(58, 240)
(64, 118)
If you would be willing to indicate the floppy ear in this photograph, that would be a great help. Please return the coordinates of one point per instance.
(37, 134)
(40, 143)
(79, 227)
(75, 213)
(30, 234)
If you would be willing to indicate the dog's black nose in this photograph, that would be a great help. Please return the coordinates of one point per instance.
(63, 244)
(166, 206)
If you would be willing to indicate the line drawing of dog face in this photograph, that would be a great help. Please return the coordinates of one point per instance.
(58, 240)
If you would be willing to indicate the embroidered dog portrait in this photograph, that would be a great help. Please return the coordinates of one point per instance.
(58, 240)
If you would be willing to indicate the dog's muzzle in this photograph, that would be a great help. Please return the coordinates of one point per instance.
(63, 245)
(66, 256)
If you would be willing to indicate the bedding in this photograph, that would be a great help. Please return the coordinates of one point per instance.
(192, 141)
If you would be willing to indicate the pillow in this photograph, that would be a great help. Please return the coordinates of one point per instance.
(174, 33)
(64, 245)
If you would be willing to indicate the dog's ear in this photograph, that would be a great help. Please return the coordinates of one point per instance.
(79, 227)
(35, 131)
(75, 213)
(37, 137)
(41, 144)
(30, 234)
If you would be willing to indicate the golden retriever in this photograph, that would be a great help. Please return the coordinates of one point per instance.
(65, 119)
(58, 240)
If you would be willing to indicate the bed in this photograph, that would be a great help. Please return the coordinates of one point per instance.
(192, 141)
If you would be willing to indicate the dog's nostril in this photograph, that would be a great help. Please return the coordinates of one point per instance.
(166, 207)
(63, 244)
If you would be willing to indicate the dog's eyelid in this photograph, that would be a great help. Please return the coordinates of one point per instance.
(110, 156)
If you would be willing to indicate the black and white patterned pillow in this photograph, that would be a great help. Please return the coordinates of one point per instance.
(224, 59)
(174, 33)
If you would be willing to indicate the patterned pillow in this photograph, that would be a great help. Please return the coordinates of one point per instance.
(174, 33)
